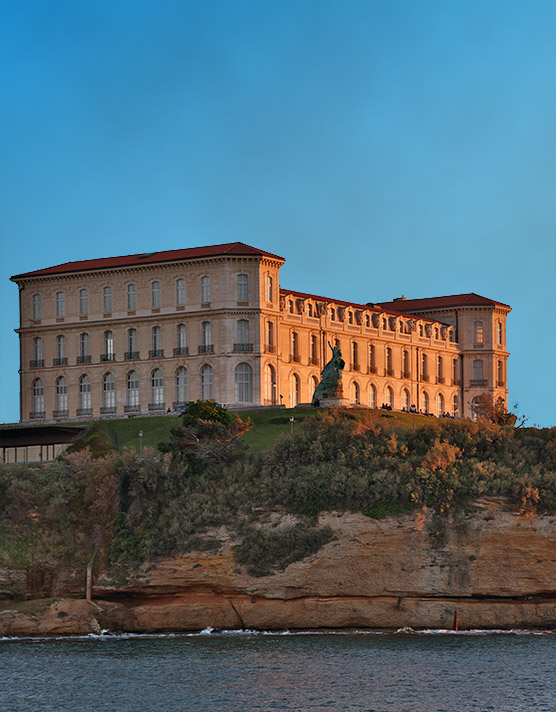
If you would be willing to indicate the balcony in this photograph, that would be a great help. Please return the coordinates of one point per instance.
(244, 348)
(131, 355)
(36, 415)
(500, 383)
(132, 408)
(84, 411)
(355, 367)
(107, 357)
(406, 374)
(296, 358)
(179, 404)
(479, 382)
(37, 363)
(456, 382)
(156, 353)
(425, 377)
(60, 413)
(108, 409)
(314, 361)
(389, 371)
(61, 361)
(83, 359)
(440, 379)
(206, 349)
(181, 351)
(270, 348)
(156, 406)
(373, 369)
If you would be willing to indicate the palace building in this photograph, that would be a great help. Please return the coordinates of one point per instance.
(147, 333)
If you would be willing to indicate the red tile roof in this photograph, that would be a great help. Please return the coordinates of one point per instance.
(454, 300)
(231, 248)
(376, 307)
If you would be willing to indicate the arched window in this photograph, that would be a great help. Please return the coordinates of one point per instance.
(85, 403)
(242, 288)
(207, 382)
(108, 346)
(132, 391)
(406, 400)
(107, 299)
(313, 384)
(424, 367)
(37, 307)
(38, 399)
(108, 393)
(355, 393)
(180, 292)
(155, 294)
(455, 406)
(37, 351)
(440, 369)
(372, 358)
(499, 336)
(205, 290)
(389, 396)
(181, 348)
(60, 305)
(132, 344)
(439, 405)
(477, 371)
(131, 297)
(157, 390)
(83, 302)
(61, 398)
(372, 396)
(242, 335)
(270, 385)
(389, 366)
(182, 386)
(477, 332)
(156, 342)
(425, 407)
(60, 351)
(243, 380)
(500, 373)
(294, 390)
(405, 364)
(84, 356)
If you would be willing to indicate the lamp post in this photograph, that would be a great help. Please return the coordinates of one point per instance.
(292, 421)
(140, 446)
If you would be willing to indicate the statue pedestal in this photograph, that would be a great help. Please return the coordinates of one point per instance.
(334, 403)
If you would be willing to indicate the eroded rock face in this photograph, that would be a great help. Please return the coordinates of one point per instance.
(495, 567)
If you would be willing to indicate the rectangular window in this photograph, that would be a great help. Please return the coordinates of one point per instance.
(83, 302)
(269, 289)
(60, 305)
(131, 297)
(205, 290)
(84, 345)
(242, 288)
(180, 292)
(155, 295)
(206, 333)
(37, 306)
(107, 299)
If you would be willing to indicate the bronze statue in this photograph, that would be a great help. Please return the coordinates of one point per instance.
(330, 385)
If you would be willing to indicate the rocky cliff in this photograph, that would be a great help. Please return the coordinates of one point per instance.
(495, 567)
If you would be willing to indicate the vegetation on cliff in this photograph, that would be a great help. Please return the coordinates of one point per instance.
(133, 509)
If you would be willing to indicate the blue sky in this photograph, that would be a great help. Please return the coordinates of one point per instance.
(382, 148)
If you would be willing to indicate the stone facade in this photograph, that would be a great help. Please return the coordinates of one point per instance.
(147, 333)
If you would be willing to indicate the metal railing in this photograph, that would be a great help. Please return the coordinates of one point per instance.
(243, 347)
(131, 355)
(181, 351)
(156, 353)
(206, 349)
(107, 357)
(83, 359)
(61, 361)
(37, 363)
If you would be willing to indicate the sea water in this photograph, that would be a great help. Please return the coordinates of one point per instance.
(406, 671)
